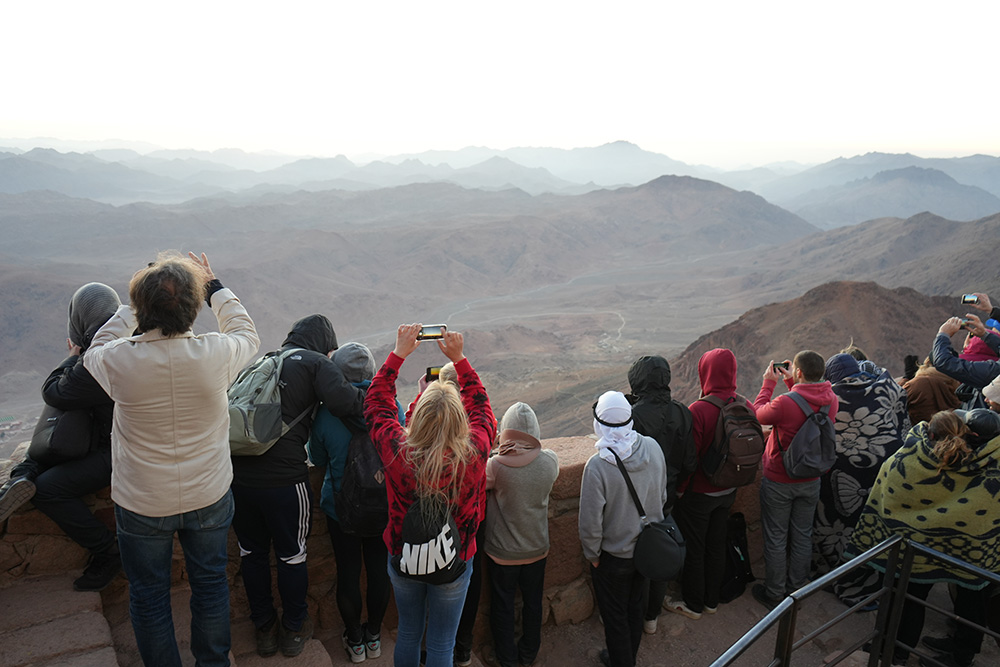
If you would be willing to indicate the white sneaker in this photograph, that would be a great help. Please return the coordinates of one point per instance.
(356, 652)
(678, 607)
(649, 627)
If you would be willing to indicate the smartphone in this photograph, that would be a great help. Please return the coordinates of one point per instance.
(432, 373)
(432, 331)
(970, 298)
(780, 364)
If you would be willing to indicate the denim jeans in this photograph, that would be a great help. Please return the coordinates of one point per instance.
(146, 545)
(786, 514)
(438, 607)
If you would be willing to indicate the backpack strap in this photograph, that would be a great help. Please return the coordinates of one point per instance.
(631, 489)
(282, 355)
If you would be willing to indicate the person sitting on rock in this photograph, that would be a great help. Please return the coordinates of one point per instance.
(57, 488)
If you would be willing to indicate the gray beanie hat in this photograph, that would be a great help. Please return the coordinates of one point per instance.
(520, 417)
(355, 362)
(90, 308)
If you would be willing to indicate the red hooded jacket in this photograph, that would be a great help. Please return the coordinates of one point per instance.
(717, 374)
(787, 418)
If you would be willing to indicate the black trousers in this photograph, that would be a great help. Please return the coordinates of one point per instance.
(463, 638)
(969, 604)
(703, 521)
(351, 551)
(505, 580)
(621, 598)
(59, 492)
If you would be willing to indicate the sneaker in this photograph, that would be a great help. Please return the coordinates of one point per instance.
(356, 652)
(373, 643)
(267, 638)
(463, 657)
(678, 607)
(709, 610)
(13, 494)
(649, 626)
(761, 596)
(101, 570)
(293, 641)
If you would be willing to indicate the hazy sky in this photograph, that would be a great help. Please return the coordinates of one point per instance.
(724, 83)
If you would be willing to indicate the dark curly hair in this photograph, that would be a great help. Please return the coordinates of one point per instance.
(167, 294)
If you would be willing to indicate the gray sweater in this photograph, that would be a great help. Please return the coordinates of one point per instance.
(609, 520)
(517, 507)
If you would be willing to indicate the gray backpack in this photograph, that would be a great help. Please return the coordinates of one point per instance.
(255, 406)
(813, 450)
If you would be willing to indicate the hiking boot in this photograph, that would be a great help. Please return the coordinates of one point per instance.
(356, 651)
(760, 595)
(104, 566)
(373, 643)
(293, 641)
(13, 494)
(267, 638)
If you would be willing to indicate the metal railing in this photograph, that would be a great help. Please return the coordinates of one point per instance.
(891, 597)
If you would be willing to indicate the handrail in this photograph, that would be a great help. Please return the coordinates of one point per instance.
(883, 637)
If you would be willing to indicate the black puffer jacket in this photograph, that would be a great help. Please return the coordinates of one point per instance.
(660, 417)
(71, 387)
(307, 377)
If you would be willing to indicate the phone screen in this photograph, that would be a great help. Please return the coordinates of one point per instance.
(432, 373)
(431, 331)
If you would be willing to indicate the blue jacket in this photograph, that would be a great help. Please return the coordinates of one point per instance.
(327, 447)
(976, 373)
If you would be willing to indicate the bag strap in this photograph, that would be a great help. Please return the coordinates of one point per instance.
(282, 355)
(631, 489)
(807, 410)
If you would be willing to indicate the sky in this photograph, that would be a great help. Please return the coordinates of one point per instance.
(724, 83)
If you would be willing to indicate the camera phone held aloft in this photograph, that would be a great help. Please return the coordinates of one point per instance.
(781, 364)
(432, 331)
(970, 298)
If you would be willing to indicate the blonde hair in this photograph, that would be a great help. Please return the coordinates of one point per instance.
(448, 373)
(948, 432)
(437, 442)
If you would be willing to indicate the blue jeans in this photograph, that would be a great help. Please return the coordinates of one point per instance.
(438, 607)
(146, 545)
(786, 515)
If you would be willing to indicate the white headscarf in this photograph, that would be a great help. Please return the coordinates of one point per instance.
(615, 433)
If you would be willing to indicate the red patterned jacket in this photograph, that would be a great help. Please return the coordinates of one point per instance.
(389, 437)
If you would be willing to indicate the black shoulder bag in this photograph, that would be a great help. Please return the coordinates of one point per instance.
(659, 551)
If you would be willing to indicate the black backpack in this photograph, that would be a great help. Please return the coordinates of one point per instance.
(737, 572)
(432, 546)
(362, 504)
(813, 450)
(735, 453)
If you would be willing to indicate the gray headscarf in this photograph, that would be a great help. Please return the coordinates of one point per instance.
(91, 306)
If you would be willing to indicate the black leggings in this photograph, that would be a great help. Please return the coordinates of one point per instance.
(350, 551)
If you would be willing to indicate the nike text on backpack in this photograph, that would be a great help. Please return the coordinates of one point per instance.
(813, 450)
(431, 544)
(362, 505)
(255, 406)
(734, 455)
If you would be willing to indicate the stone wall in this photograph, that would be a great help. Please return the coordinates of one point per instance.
(32, 544)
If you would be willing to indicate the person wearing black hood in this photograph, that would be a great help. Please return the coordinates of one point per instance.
(57, 488)
(669, 422)
(272, 494)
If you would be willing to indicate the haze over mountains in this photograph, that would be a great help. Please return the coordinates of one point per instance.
(560, 283)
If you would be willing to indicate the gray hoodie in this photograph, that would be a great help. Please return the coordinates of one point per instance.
(609, 520)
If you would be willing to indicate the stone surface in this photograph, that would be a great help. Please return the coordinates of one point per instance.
(573, 603)
(37, 600)
(105, 657)
(48, 554)
(60, 638)
(573, 454)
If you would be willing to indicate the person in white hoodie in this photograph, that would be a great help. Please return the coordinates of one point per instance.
(519, 479)
(609, 522)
